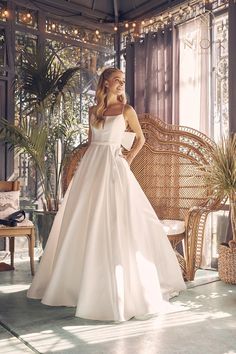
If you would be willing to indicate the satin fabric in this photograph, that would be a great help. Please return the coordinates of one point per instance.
(107, 253)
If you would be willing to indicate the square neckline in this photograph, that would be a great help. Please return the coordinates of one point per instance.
(114, 115)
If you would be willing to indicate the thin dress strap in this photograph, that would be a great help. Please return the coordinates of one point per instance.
(122, 112)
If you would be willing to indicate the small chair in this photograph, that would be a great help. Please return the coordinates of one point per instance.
(24, 229)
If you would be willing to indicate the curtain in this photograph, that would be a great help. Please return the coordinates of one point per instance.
(194, 93)
(150, 74)
(194, 96)
(194, 74)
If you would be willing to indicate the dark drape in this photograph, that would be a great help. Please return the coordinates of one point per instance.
(232, 69)
(152, 75)
(232, 83)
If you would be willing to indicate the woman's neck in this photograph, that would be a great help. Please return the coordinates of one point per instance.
(112, 100)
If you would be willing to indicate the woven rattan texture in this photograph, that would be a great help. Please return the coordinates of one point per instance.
(227, 264)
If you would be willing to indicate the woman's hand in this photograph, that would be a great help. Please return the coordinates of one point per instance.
(128, 157)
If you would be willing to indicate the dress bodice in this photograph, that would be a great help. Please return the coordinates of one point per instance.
(112, 131)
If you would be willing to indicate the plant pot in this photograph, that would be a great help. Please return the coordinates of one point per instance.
(43, 223)
(227, 262)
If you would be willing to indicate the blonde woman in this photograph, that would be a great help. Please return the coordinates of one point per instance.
(107, 253)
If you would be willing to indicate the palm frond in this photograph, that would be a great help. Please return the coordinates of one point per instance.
(38, 75)
(27, 138)
(221, 172)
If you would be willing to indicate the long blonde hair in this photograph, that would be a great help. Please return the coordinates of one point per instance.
(101, 96)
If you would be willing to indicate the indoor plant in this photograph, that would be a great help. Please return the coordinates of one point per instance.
(46, 132)
(220, 176)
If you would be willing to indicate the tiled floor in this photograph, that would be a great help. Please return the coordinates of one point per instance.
(202, 320)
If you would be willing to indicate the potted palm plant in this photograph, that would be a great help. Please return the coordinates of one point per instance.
(45, 133)
(221, 177)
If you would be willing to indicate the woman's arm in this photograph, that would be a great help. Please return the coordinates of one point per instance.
(91, 113)
(132, 119)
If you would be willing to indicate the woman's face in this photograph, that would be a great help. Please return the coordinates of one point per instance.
(116, 83)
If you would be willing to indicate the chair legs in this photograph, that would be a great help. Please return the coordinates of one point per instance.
(31, 241)
(12, 250)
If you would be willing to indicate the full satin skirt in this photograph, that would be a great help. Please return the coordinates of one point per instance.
(107, 253)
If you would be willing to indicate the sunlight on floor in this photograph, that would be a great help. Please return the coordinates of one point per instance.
(48, 341)
(8, 289)
(209, 307)
(214, 295)
(137, 328)
(95, 334)
(11, 346)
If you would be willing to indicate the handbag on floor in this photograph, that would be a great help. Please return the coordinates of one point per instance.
(13, 219)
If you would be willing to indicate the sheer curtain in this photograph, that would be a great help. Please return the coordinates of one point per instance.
(149, 70)
(194, 74)
(194, 93)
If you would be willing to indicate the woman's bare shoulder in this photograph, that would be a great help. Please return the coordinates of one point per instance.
(127, 107)
(128, 110)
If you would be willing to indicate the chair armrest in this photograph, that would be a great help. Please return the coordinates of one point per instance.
(71, 165)
(195, 227)
(208, 209)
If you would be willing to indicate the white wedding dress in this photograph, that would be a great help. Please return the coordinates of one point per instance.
(107, 253)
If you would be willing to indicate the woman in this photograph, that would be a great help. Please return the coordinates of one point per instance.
(107, 253)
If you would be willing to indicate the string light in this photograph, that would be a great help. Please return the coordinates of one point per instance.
(175, 15)
(84, 35)
(181, 11)
(6, 13)
(189, 8)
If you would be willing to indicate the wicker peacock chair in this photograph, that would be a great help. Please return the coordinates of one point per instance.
(167, 170)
